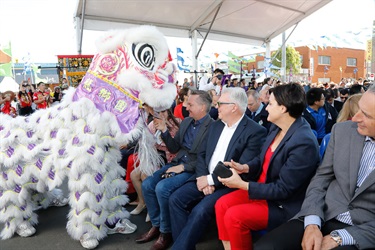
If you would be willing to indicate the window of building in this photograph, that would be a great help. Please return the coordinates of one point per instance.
(351, 61)
(260, 64)
(324, 60)
(324, 80)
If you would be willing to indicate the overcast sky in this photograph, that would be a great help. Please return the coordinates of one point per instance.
(45, 28)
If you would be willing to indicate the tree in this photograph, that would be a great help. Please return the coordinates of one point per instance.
(293, 60)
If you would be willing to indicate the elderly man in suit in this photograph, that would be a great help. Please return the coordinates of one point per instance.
(233, 137)
(256, 110)
(339, 209)
(157, 188)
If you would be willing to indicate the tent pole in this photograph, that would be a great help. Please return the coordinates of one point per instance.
(283, 58)
(81, 27)
(209, 29)
(194, 46)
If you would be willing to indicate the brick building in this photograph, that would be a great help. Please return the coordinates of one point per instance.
(324, 65)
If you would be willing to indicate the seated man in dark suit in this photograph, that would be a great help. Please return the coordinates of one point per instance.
(157, 188)
(341, 99)
(233, 137)
(339, 209)
(256, 110)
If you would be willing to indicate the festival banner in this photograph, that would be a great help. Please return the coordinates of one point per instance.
(6, 60)
(73, 67)
(369, 50)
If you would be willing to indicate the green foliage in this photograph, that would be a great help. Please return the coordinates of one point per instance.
(293, 60)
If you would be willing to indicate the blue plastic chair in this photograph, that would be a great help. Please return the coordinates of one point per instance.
(323, 145)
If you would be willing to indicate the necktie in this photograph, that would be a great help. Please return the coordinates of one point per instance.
(253, 115)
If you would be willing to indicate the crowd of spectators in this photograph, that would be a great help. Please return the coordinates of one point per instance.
(267, 187)
(271, 135)
(31, 97)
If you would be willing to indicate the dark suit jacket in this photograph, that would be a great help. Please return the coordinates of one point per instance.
(174, 145)
(338, 105)
(261, 118)
(291, 167)
(245, 144)
(332, 190)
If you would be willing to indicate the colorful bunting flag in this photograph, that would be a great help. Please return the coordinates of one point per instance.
(6, 60)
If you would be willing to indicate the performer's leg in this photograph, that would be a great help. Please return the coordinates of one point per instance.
(16, 207)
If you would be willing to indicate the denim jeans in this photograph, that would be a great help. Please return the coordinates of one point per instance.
(156, 192)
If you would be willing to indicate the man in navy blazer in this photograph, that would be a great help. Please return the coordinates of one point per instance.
(157, 188)
(256, 110)
(234, 136)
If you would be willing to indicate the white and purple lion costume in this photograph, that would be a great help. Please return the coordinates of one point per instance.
(80, 138)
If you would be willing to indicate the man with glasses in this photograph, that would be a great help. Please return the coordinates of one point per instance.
(215, 82)
(320, 115)
(339, 102)
(233, 137)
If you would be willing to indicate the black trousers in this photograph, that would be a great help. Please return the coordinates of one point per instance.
(289, 236)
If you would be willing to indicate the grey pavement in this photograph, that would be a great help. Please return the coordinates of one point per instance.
(51, 234)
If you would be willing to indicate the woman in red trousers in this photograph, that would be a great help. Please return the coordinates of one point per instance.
(286, 164)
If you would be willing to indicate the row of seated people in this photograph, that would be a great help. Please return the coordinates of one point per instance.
(268, 182)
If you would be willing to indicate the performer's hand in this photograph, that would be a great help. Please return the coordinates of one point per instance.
(312, 238)
(176, 169)
(328, 243)
(208, 190)
(202, 182)
(240, 168)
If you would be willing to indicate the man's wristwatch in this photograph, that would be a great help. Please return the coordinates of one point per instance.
(336, 237)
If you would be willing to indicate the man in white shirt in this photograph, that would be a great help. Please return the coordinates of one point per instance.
(233, 137)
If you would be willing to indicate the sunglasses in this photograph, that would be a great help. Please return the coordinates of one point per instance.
(222, 103)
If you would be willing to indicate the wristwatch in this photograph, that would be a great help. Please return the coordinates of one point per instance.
(336, 237)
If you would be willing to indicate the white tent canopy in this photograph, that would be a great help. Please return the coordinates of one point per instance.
(242, 21)
(253, 22)
(8, 83)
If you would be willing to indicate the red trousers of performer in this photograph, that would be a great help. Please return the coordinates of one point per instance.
(237, 216)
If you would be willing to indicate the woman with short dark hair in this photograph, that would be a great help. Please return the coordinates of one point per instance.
(283, 170)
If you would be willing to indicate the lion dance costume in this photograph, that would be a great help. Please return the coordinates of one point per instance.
(80, 138)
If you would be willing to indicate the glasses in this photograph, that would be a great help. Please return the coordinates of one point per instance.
(222, 103)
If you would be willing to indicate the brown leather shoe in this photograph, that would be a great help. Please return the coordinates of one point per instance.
(148, 236)
(163, 242)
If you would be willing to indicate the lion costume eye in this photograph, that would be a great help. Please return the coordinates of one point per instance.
(144, 54)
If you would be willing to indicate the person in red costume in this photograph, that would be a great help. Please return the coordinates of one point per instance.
(41, 97)
(6, 101)
(25, 99)
(180, 110)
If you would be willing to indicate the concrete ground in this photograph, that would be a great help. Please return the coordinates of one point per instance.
(51, 234)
